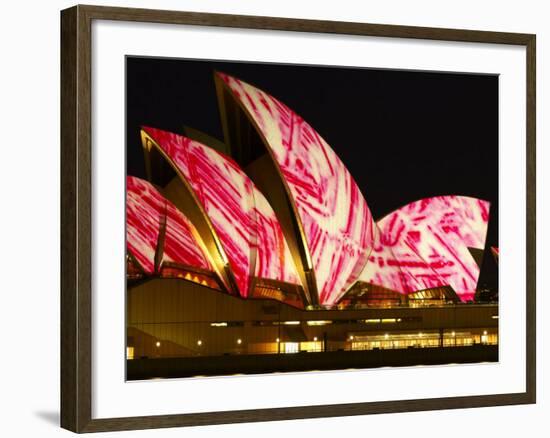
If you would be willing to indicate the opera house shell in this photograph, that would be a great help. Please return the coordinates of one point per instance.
(281, 217)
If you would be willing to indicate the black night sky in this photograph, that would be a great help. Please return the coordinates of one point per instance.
(403, 135)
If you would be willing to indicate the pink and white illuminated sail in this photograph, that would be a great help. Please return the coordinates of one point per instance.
(144, 208)
(181, 245)
(225, 194)
(273, 259)
(147, 213)
(336, 221)
(430, 240)
(397, 267)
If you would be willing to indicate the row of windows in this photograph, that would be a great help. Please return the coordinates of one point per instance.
(156, 343)
(340, 321)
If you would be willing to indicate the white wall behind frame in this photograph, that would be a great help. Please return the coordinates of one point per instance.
(29, 90)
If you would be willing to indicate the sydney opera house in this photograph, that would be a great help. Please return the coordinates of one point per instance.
(236, 260)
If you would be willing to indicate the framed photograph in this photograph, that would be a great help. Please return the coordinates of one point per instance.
(268, 218)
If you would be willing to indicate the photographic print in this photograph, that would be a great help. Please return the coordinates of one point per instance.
(285, 218)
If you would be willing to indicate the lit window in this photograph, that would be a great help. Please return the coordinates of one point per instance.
(292, 347)
(319, 322)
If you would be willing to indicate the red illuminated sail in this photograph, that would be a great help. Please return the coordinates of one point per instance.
(224, 193)
(273, 260)
(144, 208)
(336, 221)
(429, 241)
(148, 214)
(398, 267)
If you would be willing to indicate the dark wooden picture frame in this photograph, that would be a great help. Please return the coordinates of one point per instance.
(76, 222)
